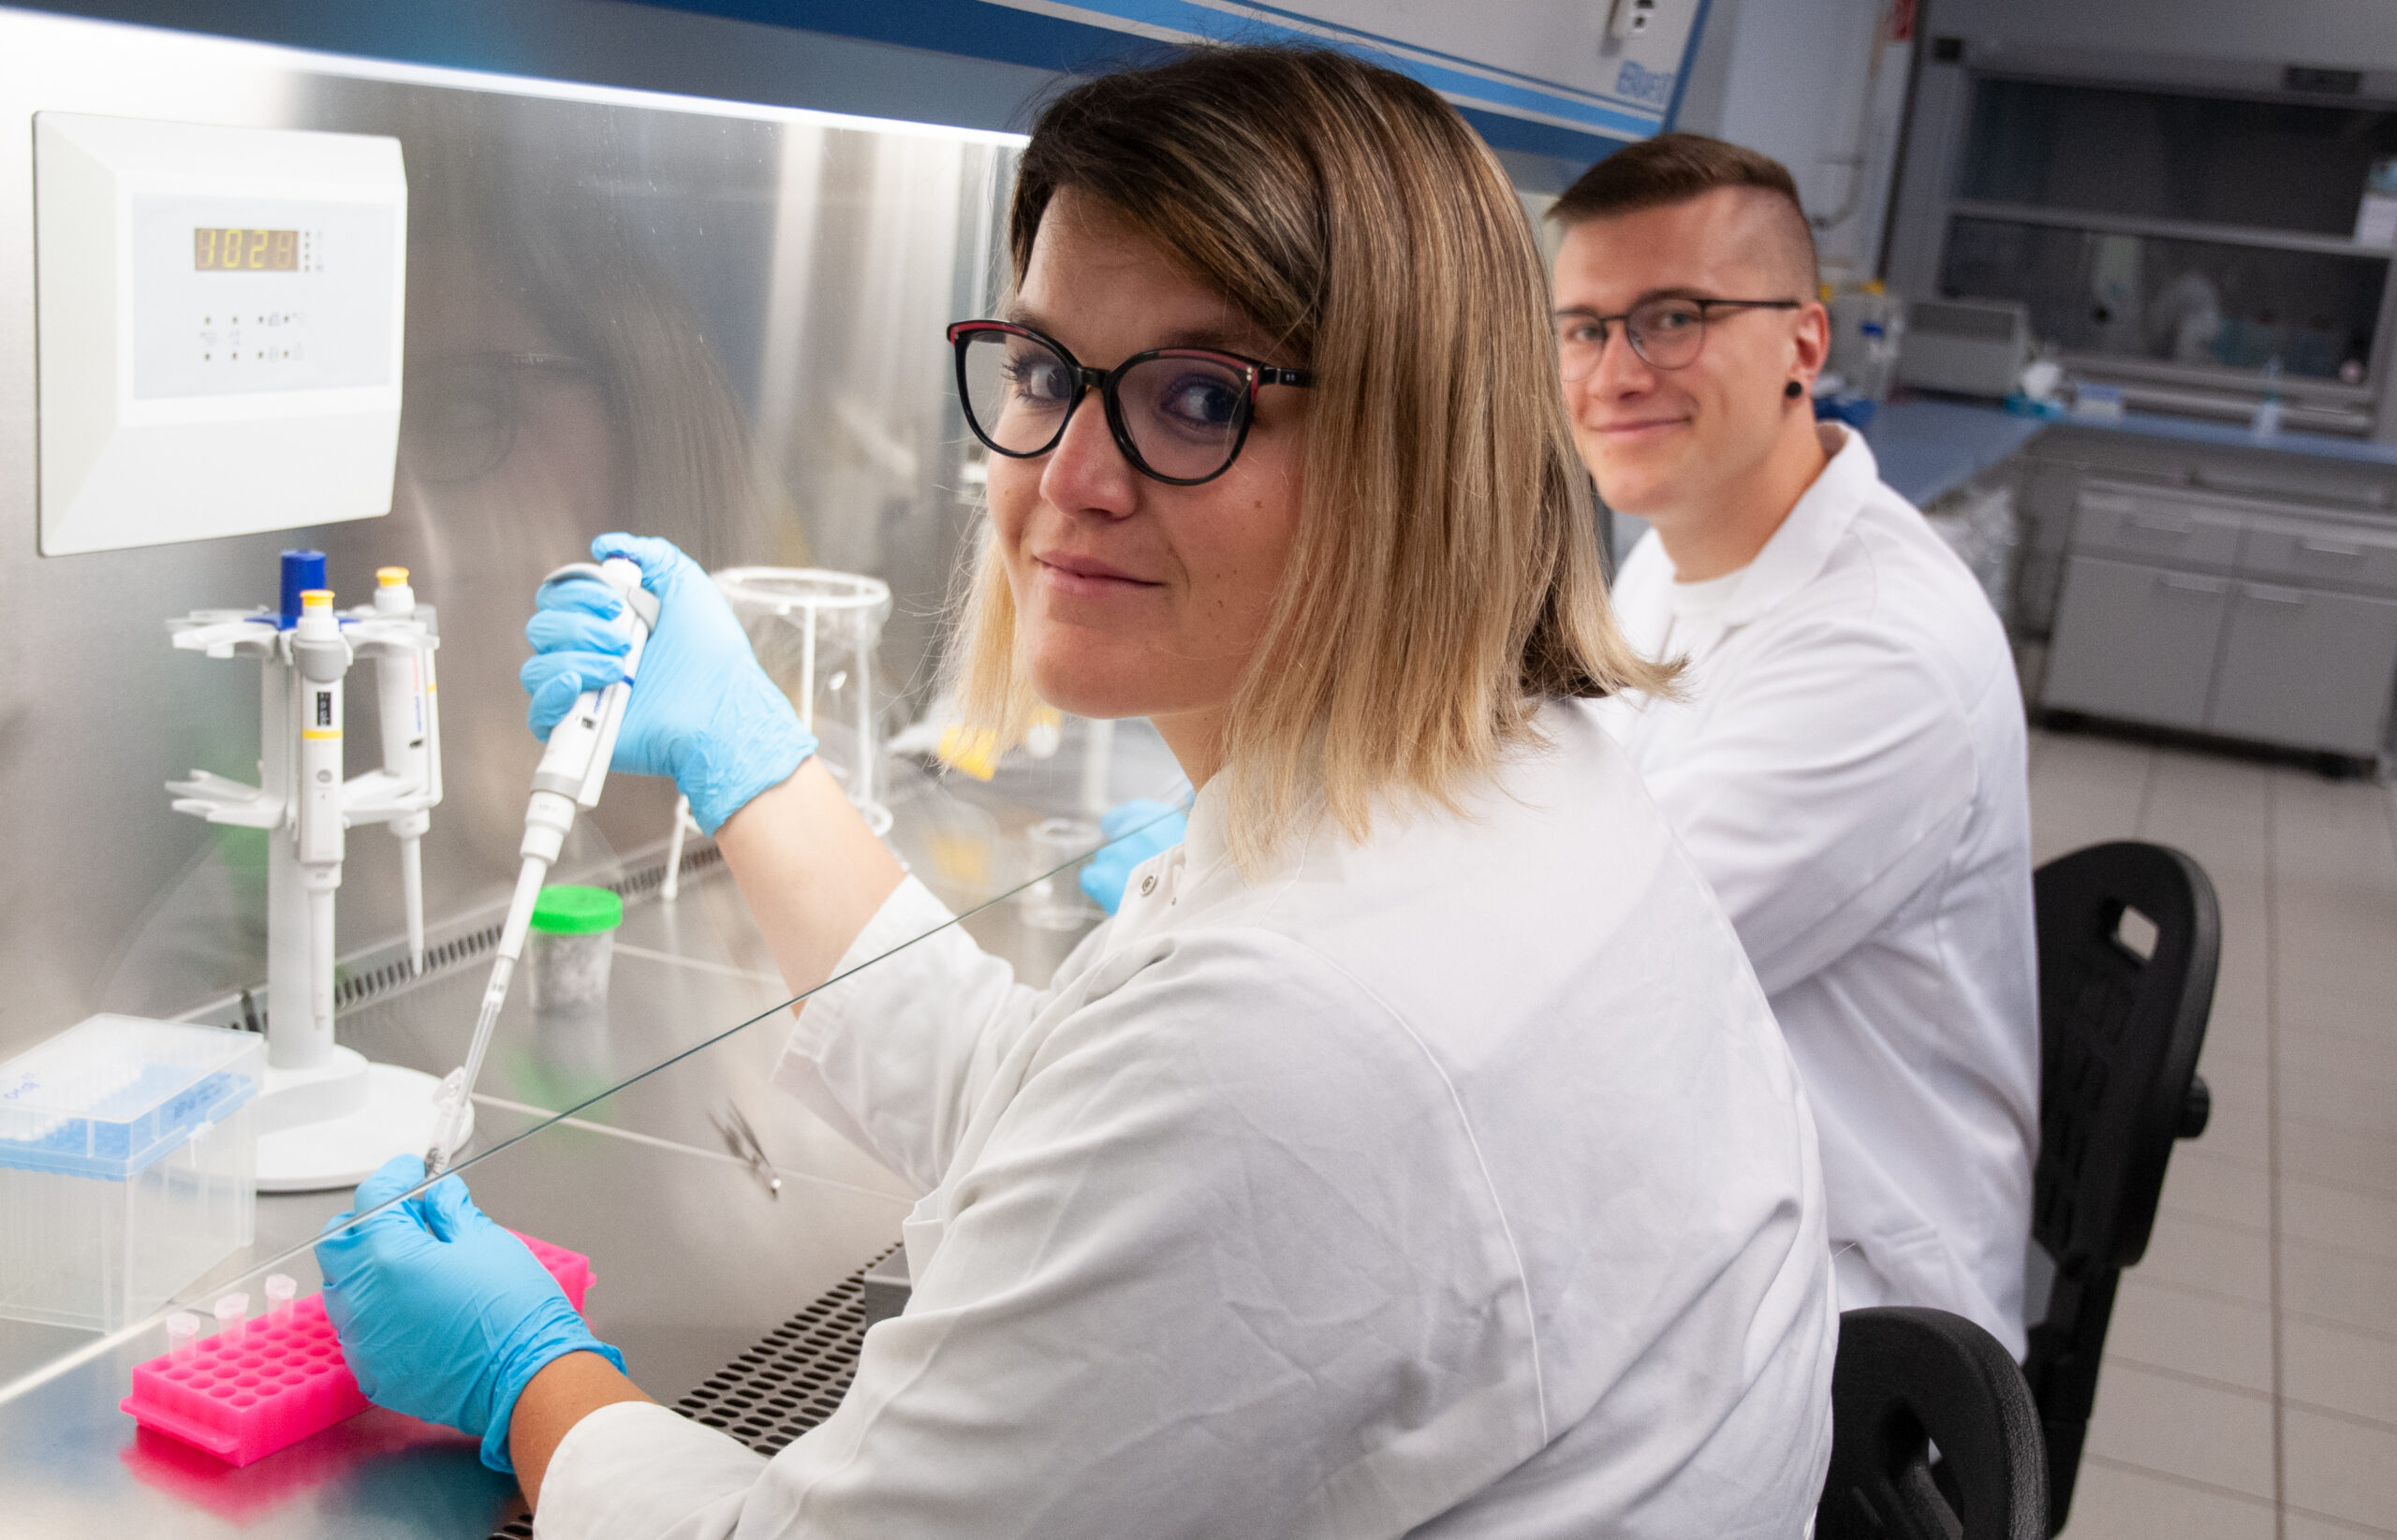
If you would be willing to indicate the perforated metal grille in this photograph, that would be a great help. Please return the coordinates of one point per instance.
(791, 1381)
(782, 1386)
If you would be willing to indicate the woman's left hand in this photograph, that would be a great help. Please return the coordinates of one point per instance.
(442, 1314)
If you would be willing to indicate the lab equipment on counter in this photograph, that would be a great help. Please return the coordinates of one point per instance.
(326, 1116)
(815, 633)
(2093, 401)
(572, 942)
(2041, 381)
(1868, 328)
(1974, 347)
(232, 1314)
(220, 314)
(2267, 418)
(572, 771)
(126, 1149)
(261, 1386)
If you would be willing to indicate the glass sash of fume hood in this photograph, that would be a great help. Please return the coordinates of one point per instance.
(2196, 247)
(2199, 303)
(716, 323)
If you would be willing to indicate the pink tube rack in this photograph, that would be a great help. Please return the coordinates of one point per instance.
(285, 1380)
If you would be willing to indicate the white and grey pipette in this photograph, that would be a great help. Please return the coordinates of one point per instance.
(572, 770)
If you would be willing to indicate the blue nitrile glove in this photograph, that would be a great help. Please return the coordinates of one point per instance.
(702, 711)
(1140, 830)
(442, 1314)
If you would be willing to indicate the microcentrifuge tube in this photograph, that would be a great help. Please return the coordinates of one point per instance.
(280, 1289)
(183, 1335)
(233, 1319)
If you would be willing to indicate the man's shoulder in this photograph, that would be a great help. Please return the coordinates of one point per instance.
(1891, 581)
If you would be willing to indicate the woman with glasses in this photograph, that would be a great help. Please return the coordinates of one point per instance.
(1413, 1153)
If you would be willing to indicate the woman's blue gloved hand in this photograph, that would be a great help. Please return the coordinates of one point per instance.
(702, 711)
(443, 1314)
(1139, 829)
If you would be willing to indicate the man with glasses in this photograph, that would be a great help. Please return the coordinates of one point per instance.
(1847, 764)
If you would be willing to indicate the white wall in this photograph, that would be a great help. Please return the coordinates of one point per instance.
(1562, 41)
(1552, 61)
(1815, 84)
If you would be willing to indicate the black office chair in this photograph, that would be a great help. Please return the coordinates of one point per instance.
(2128, 938)
(1909, 1378)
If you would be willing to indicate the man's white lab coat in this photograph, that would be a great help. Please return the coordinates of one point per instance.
(1458, 1183)
(1847, 768)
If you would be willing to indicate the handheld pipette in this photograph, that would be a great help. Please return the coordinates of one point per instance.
(572, 770)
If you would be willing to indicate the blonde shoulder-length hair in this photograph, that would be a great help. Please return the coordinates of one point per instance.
(1444, 579)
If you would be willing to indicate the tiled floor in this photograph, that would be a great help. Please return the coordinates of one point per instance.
(2250, 1386)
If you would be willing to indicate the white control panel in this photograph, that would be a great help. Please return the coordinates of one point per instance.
(220, 323)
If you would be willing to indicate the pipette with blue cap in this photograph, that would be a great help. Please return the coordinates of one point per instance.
(573, 769)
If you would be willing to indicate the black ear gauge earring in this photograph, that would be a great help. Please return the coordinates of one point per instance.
(1793, 389)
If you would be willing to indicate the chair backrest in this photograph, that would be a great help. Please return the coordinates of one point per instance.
(2128, 938)
(1909, 1377)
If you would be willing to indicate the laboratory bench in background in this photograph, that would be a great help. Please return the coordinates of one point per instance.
(696, 1258)
(2181, 573)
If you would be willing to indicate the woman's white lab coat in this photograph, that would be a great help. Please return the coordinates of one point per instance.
(1455, 1183)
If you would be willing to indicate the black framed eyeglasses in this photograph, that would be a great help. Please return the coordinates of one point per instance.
(1179, 413)
(1667, 332)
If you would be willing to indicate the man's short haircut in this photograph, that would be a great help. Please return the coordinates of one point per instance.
(1676, 167)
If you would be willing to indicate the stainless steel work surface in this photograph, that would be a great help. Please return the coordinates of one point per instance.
(672, 989)
(694, 1263)
(696, 1257)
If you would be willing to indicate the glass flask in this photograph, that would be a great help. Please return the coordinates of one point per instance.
(815, 632)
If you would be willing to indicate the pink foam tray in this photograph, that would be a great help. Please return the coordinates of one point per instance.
(282, 1380)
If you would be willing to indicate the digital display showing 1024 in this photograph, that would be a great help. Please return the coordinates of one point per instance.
(217, 250)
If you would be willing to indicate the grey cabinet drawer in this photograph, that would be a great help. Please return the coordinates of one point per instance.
(2327, 553)
(2155, 527)
(2307, 668)
(2290, 479)
(2135, 642)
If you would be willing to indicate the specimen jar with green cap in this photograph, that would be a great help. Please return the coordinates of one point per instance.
(572, 942)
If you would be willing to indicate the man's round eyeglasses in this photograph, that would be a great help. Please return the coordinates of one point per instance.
(1179, 413)
(1666, 332)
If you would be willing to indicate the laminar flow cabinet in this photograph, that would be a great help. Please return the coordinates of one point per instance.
(2244, 617)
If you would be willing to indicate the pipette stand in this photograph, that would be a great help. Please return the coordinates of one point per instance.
(326, 1116)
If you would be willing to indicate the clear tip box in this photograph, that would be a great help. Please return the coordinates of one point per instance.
(128, 1155)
